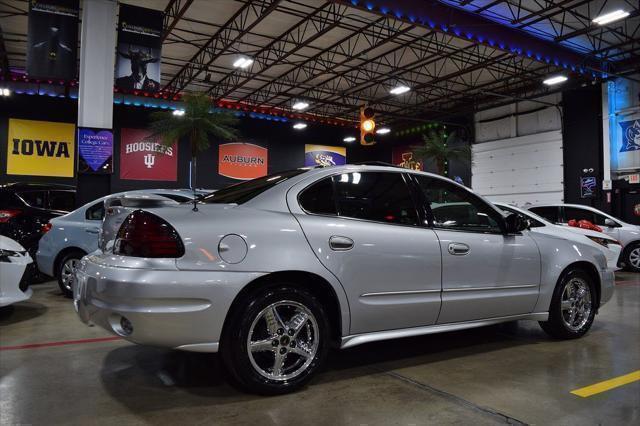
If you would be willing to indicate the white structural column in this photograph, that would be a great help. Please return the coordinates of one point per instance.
(97, 57)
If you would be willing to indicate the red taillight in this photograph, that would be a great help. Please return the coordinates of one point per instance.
(45, 228)
(146, 235)
(7, 215)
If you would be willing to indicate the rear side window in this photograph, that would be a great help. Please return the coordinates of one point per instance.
(318, 198)
(377, 196)
(62, 200)
(34, 198)
(549, 213)
(574, 213)
(95, 212)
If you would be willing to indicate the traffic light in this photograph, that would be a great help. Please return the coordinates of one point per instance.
(367, 126)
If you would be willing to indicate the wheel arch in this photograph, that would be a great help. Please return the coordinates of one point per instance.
(311, 282)
(61, 255)
(591, 270)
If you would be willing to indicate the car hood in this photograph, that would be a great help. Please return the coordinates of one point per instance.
(7, 243)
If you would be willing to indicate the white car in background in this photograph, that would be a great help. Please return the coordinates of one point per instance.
(70, 237)
(626, 233)
(14, 259)
(609, 246)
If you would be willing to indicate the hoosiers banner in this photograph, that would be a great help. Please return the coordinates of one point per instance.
(321, 155)
(139, 48)
(52, 40)
(143, 158)
(242, 161)
(40, 148)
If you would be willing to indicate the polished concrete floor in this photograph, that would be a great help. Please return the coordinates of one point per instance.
(510, 373)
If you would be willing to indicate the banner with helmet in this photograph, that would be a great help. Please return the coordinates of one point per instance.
(143, 157)
(139, 49)
(41, 148)
(403, 156)
(52, 40)
(322, 155)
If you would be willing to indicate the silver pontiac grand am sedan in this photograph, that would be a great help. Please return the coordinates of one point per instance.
(272, 272)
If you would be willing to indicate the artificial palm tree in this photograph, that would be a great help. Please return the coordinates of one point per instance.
(437, 146)
(197, 124)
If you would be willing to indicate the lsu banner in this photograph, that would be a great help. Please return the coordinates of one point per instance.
(144, 158)
(403, 156)
(40, 148)
(321, 155)
(139, 48)
(95, 150)
(52, 40)
(242, 161)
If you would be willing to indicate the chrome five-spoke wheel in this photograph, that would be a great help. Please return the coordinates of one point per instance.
(283, 340)
(576, 303)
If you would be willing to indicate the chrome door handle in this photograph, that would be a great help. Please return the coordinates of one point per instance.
(458, 249)
(339, 243)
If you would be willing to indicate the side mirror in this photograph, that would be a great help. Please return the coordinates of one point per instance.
(515, 223)
(610, 223)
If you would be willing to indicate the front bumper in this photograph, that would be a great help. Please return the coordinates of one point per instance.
(169, 308)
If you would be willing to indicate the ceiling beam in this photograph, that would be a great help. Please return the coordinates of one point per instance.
(174, 11)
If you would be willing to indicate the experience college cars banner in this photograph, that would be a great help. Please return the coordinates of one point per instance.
(95, 149)
(242, 161)
(52, 40)
(139, 48)
(144, 158)
(40, 148)
(321, 155)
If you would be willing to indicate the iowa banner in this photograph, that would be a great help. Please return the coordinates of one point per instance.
(139, 48)
(321, 155)
(52, 40)
(143, 158)
(40, 148)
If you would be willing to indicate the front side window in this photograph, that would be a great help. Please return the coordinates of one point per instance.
(549, 213)
(62, 200)
(457, 209)
(377, 196)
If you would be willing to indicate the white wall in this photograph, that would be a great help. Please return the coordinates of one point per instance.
(518, 155)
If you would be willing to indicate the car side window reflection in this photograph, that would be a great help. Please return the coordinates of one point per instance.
(377, 196)
(95, 212)
(457, 209)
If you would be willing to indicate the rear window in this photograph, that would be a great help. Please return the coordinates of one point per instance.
(245, 191)
(174, 197)
(34, 198)
(62, 200)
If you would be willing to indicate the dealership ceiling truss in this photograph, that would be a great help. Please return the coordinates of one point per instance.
(454, 55)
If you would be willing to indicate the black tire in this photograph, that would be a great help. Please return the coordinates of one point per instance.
(245, 371)
(558, 324)
(61, 272)
(632, 250)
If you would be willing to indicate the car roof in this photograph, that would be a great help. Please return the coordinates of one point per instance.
(17, 186)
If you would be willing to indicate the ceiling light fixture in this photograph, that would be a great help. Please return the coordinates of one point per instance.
(299, 126)
(5, 92)
(243, 62)
(555, 80)
(178, 112)
(383, 130)
(399, 90)
(349, 139)
(300, 105)
(610, 17)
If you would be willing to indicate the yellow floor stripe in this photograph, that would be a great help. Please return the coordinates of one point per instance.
(607, 385)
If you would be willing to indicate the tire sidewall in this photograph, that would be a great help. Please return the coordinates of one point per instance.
(555, 313)
(234, 350)
(627, 256)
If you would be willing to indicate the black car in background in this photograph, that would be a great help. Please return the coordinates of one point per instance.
(25, 208)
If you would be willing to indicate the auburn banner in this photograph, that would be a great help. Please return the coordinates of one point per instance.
(242, 161)
(143, 158)
(52, 38)
(321, 155)
(40, 148)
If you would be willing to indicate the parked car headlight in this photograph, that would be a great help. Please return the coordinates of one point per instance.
(6, 254)
(602, 241)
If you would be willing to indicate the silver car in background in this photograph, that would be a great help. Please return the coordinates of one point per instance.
(70, 237)
(274, 271)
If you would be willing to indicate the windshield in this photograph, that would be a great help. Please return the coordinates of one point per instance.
(245, 191)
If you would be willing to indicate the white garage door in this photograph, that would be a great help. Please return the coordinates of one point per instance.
(520, 170)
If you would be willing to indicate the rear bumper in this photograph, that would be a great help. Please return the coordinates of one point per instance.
(169, 308)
